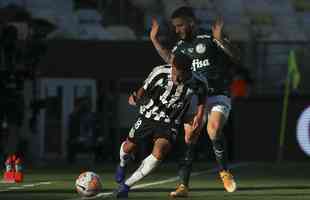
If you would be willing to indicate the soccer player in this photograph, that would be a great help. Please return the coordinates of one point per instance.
(163, 101)
(212, 58)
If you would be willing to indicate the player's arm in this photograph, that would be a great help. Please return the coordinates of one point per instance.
(223, 42)
(136, 96)
(198, 120)
(162, 51)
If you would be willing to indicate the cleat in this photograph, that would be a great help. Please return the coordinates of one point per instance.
(181, 191)
(228, 181)
(120, 174)
(121, 192)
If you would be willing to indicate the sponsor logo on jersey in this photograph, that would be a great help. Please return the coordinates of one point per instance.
(197, 64)
(200, 48)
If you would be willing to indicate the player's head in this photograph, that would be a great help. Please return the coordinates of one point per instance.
(181, 68)
(183, 22)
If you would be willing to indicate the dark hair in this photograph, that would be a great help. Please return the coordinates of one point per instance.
(182, 62)
(184, 11)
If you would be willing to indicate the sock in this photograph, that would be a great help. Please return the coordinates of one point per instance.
(124, 157)
(185, 167)
(147, 165)
(219, 149)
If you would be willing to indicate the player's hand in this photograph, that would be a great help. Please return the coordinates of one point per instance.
(154, 29)
(197, 124)
(193, 130)
(190, 135)
(217, 28)
(132, 99)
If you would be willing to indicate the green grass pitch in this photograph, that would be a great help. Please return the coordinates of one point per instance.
(284, 181)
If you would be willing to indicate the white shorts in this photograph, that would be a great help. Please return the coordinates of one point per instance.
(218, 103)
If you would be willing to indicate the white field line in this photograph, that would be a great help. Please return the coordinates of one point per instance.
(25, 186)
(169, 180)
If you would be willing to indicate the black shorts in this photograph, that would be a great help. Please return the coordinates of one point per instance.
(145, 128)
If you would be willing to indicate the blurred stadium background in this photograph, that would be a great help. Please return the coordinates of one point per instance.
(64, 63)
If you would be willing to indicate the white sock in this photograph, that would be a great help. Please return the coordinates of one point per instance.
(147, 165)
(123, 156)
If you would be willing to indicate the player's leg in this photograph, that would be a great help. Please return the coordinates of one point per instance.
(218, 114)
(160, 149)
(138, 131)
(126, 149)
(186, 162)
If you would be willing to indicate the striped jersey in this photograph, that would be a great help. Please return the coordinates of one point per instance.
(165, 101)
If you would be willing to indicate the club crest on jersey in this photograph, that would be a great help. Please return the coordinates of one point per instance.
(200, 48)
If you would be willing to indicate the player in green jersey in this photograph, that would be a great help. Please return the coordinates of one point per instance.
(212, 58)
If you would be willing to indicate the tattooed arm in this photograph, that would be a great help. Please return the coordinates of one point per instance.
(224, 43)
(162, 51)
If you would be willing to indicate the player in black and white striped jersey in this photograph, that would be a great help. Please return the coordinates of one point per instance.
(163, 100)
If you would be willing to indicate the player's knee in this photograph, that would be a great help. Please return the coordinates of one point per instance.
(214, 128)
(128, 146)
(159, 154)
(161, 149)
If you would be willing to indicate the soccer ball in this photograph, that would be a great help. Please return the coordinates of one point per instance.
(88, 184)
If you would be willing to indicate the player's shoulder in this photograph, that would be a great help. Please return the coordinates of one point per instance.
(162, 68)
(178, 45)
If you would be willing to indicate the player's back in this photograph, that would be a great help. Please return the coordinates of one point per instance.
(166, 101)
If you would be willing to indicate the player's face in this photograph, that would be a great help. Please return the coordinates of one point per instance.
(182, 27)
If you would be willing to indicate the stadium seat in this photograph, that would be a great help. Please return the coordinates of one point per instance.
(4, 3)
(90, 25)
(237, 32)
(172, 5)
(121, 32)
(200, 3)
(144, 4)
(88, 16)
(94, 32)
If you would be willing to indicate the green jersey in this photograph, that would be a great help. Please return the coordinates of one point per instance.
(209, 62)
